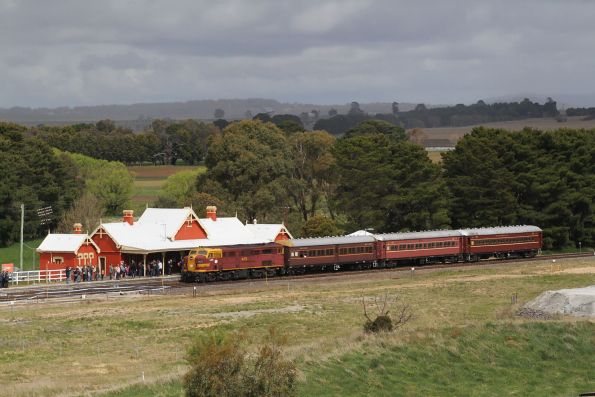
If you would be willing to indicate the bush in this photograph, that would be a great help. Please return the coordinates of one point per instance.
(221, 366)
(380, 324)
(383, 322)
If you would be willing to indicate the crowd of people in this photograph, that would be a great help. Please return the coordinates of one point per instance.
(119, 271)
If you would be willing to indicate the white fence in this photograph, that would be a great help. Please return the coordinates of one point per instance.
(38, 276)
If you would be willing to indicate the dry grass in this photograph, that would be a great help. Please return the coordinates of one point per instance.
(94, 345)
(546, 124)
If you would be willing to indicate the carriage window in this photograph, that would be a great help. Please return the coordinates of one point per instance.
(418, 246)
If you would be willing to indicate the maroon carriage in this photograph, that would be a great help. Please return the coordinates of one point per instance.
(502, 242)
(420, 247)
(325, 253)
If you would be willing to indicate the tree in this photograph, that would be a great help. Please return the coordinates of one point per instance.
(200, 201)
(86, 210)
(389, 185)
(312, 170)
(395, 108)
(109, 181)
(373, 126)
(320, 226)
(219, 113)
(289, 123)
(179, 188)
(221, 123)
(106, 125)
(332, 112)
(247, 163)
(264, 117)
(34, 176)
(355, 110)
(526, 177)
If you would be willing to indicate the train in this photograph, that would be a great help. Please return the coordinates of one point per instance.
(360, 251)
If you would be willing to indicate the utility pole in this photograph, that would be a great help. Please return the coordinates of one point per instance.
(22, 225)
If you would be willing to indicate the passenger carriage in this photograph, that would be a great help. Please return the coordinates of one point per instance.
(420, 247)
(502, 242)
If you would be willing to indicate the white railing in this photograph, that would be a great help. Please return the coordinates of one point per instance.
(38, 276)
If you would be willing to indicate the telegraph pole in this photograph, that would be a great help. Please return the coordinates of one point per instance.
(22, 224)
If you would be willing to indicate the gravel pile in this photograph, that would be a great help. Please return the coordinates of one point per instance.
(535, 314)
(570, 302)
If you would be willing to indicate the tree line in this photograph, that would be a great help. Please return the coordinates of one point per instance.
(372, 177)
(168, 141)
(448, 116)
(165, 143)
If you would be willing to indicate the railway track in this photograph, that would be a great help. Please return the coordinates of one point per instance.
(172, 285)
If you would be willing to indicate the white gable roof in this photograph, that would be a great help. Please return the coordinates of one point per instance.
(64, 243)
(155, 231)
(229, 231)
(268, 231)
(168, 219)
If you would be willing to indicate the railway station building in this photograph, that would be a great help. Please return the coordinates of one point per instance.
(58, 251)
(159, 234)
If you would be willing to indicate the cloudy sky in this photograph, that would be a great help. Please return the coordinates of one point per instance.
(68, 53)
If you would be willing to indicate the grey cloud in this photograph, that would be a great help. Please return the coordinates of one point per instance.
(90, 52)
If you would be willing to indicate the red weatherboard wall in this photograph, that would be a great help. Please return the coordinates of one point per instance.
(282, 236)
(108, 248)
(69, 259)
(190, 233)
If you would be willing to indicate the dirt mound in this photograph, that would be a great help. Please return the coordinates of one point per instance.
(571, 302)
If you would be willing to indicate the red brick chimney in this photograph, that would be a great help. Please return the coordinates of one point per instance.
(128, 217)
(77, 228)
(212, 212)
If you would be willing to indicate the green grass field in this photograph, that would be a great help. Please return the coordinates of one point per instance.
(464, 340)
(11, 254)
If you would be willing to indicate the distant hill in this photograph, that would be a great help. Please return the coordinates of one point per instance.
(140, 114)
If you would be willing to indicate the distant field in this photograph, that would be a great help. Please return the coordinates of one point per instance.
(455, 133)
(148, 181)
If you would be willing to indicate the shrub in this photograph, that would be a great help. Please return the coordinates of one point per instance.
(383, 322)
(221, 366)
